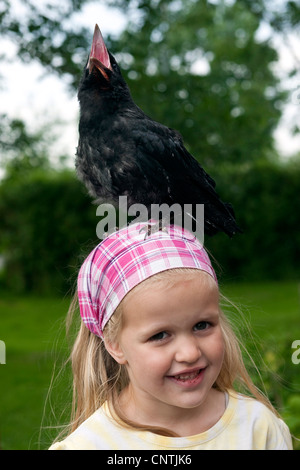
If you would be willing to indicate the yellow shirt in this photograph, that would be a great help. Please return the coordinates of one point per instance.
(245, 425)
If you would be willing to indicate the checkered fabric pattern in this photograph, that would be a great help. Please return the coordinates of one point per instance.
(126, 258)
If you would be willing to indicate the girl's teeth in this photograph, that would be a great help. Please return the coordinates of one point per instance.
(187, 376)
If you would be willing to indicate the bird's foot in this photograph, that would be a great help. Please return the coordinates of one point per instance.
(149, 229)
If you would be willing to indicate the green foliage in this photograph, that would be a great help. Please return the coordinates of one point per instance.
(266, 201)
(47, 222)
(199, 68)
(22, 151)
(45, 33)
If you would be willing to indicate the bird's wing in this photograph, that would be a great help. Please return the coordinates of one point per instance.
(161, 149)
(160, 153)
(137, 173)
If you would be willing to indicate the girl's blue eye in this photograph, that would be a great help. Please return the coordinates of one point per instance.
(201, 325)
(159, 336)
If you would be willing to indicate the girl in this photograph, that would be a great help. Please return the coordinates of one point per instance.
(155, 361)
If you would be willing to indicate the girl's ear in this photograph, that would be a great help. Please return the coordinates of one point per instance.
(115, 351)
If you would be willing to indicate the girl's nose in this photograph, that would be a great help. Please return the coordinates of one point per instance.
(188, 350)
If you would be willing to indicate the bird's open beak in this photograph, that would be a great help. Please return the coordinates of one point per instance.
(99, 56)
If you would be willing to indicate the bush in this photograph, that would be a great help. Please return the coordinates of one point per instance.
(267, 206)
(47, 222)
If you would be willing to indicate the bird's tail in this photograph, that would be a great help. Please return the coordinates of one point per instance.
(216, 218)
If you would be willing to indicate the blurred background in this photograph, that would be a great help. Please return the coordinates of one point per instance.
(226, 74)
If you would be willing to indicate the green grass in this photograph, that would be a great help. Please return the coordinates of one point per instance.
(273, 308)
(33, 331)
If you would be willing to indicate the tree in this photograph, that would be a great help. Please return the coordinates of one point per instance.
(44, 32)
(196, 66)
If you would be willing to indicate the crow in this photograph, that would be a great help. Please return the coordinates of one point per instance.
(123, 152)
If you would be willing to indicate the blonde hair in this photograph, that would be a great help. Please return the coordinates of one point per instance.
(99, 379)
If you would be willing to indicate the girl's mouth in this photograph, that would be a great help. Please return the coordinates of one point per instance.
(188, 379)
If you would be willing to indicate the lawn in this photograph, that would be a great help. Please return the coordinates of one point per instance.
(33, 331)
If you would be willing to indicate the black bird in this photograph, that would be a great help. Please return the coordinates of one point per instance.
(121, 151)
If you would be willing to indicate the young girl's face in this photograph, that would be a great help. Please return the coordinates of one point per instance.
(171, 343)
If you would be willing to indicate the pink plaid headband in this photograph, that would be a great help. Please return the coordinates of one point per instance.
(126, 258)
